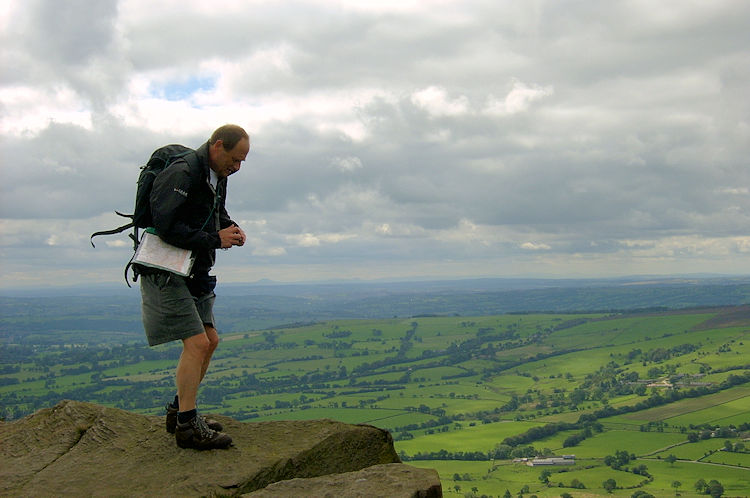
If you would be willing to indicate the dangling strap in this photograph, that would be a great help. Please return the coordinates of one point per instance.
(114, 230)
(110, 232)
(217, 198)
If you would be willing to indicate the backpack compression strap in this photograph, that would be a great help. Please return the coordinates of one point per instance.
(114, 230)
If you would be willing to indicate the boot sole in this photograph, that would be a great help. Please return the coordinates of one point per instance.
(220, 443)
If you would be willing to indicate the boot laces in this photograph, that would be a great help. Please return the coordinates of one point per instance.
(202, 428)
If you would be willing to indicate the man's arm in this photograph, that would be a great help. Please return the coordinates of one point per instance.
(226, 222)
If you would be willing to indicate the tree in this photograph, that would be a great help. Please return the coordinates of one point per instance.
(544, 476)
(700, 486)
(675, 485)
(670, 459)
(641, 470)
(715, 489)
(620, 458)
(502, 451)
(609, 485)
(507, 494)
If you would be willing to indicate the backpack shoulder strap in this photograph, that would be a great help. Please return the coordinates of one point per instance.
(190, 157)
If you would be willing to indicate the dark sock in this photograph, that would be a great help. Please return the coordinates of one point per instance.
(176, 402)
(185, 417)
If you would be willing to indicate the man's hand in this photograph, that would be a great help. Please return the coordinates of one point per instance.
(243, 237)
(232, 236)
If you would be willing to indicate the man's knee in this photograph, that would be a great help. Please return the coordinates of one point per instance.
(197, 345)
(213, 337)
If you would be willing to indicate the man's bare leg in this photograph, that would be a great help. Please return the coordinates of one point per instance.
(195, 432)
(190, 369)
(213, 342)
(185, 377)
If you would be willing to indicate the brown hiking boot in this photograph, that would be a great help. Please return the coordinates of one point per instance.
(171, 421)
(196, 434)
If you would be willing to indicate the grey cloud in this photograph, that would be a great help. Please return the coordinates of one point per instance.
(638, 130)
(67, 171)
(71, 47)
(556, 182)
(71, 33)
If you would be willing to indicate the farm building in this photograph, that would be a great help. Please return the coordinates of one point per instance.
(564, 460)
(661, 383)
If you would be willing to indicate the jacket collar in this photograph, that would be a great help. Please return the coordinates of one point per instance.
(203, 157)
(202, 153)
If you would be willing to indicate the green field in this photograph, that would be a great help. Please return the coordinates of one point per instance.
(463, 395)
(482, 437)
(496, 479)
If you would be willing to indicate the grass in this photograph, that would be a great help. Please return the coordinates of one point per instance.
(608, 442)
(699, 410)
(481, 437)
(726, 413)
(347, 415)
(729, 458)
(736, 481)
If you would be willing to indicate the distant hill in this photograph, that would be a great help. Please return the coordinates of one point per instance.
(112, 313)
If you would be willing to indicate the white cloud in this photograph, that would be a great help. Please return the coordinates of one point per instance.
(734, 190)
(28, 110)
(435, 100)
(305, 240)
(315, 240)
(533, 246)
(518, 99)
(269, 251)
(383, 229)
(412, 7)
(346, 164)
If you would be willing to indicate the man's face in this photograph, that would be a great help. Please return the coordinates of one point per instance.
(226, 162)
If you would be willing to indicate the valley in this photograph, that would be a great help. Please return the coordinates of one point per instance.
(655, 401)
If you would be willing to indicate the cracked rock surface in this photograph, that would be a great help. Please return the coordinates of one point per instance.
(392, 480)
(83, 449)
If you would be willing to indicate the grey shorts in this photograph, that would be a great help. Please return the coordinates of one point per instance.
(170, 312)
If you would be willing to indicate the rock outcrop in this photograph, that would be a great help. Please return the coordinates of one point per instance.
(82, 449)
(388, 481)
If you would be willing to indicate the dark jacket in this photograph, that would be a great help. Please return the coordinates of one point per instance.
(187, 212)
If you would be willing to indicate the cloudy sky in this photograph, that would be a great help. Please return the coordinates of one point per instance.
(390, 138)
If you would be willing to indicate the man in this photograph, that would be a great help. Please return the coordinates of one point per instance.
(187, 207)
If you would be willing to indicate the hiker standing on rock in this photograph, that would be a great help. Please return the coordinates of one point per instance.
(187, 207)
